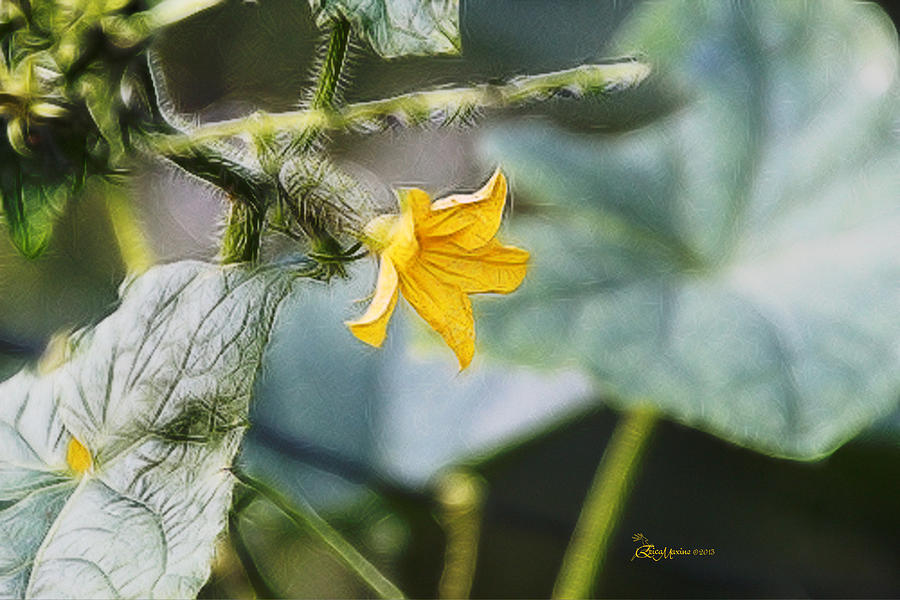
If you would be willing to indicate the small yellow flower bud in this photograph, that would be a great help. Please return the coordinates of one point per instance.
(78, 458)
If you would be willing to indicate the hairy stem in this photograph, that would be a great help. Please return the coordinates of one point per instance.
(307, 519)
(445, 105)
(330, 72)
(324, 98)
(604, 502)
(243, 232)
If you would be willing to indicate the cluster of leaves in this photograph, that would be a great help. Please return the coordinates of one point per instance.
(76, 96)
(70, 91)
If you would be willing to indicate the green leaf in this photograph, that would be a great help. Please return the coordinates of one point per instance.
(401, 413)
(158, 393)
(398, 27)
(30, 208)
(101, 96)
(42, 162)
(736, 264)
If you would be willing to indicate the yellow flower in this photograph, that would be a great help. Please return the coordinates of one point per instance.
(78, 457)
(435, 254)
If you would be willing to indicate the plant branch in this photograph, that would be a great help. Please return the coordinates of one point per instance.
(325, 94)
(243, 232)
(603, 505)
(330, 71)
(133, 247)
(169, 12)
(246, 218)
(461, 496)
(256, 579)
(307, 519)
(443, 105)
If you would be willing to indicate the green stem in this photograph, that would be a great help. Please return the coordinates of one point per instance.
(133, 247)
(169, 12)
(307, 518)
(330, 72)
(587, 79)
(259, 584)
(604, 502)
(324, 98)
(461, 496)
(243, 232)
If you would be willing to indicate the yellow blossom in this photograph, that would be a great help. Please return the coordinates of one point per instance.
(78, 457)
(435, 254)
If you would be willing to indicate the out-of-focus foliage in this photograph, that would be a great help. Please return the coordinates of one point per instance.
(158, 394)
(42, 156)
(398, 27)
(735, 264)
(74, 283)
(395, 414)
(69, 90)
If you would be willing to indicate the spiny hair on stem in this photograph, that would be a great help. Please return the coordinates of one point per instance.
(406, 113)
(323, 197)
(349, 58)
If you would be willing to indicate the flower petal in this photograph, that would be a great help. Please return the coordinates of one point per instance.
(372, 326)
(416, 202)
(444, 307)
(402, 247)
(469, 220)
(493, 268)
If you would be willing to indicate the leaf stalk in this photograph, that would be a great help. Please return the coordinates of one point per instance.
(307, 519)
(603, 505)
(461, 496)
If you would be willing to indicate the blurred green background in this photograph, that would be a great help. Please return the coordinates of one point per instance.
(366, 436)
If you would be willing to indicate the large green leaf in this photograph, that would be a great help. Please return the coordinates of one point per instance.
(158, 393)
(736, 264)
(398, 27)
